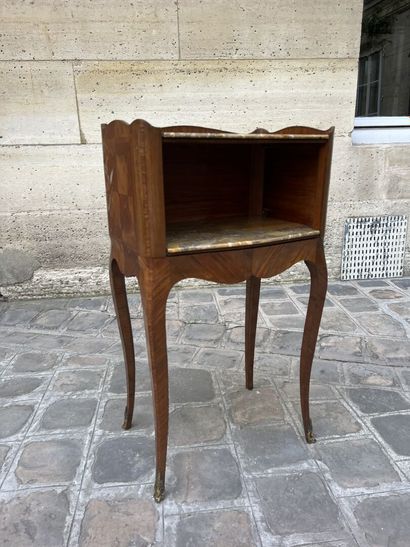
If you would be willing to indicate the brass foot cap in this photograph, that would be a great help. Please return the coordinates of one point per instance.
(159, 490)
(310, 438)
(159, 496)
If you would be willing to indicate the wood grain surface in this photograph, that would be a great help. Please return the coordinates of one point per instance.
(188, 201)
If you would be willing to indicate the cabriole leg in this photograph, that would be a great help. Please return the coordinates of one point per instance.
(119, 295)
(154, 298)
(318, 287)
(251, 317)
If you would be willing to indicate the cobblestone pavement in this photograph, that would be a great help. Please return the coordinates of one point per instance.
(239, 471)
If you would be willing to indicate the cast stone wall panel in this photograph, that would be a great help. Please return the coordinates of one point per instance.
(38, 103)
(76, 29)
(59, 239)
(398, 172)
(38, 178)
(358, 172)
(233, 95)
(366, 172)
(260, 29)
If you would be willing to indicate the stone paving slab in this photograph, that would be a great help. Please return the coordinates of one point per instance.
(394, 429)
(48, 461)
(35, 518)
(223, 528)
(331, 418)
(33, 361)
(68, 413)
(382, 520)
(296, 506)
(14, 419)
(117, 516)
(206, 475)
(190, 425)
(256, 407)
(262, 449)
(356, 463)
(123, 460)
(239, 470)
(124, 520)
(373, 401)
(370, 375)
(113, 414)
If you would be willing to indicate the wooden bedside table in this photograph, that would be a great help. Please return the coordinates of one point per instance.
(195, 202)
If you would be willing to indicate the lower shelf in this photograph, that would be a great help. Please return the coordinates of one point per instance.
(233, 233)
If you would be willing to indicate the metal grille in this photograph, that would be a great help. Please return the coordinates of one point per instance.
(374, 247)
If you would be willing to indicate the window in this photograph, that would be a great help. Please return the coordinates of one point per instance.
(369, 88)
(383, 87)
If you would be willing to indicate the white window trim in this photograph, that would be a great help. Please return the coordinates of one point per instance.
(381, 130)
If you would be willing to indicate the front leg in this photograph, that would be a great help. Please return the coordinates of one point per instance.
(318, 287)
(154, 293)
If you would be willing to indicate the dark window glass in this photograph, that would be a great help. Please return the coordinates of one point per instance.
(363, 70)
(373, 99)
(384, 65)
(374, 66)
(369, 85)
(361, 100)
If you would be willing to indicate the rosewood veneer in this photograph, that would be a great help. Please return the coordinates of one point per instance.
(195, 202)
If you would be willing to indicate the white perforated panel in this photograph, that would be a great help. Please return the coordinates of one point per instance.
(374, 247)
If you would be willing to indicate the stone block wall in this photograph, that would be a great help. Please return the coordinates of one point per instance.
(68, 66)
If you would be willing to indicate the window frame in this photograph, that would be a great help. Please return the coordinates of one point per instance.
(375, 129)
(381, 130)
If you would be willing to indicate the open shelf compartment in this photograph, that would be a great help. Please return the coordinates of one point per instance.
(224, 191)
